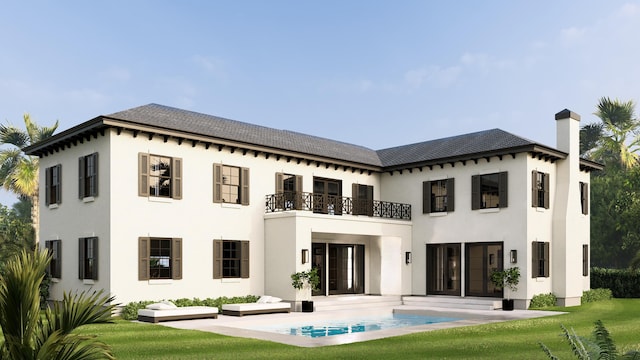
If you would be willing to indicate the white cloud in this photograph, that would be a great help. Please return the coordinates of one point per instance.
(210, 65)
(573, 34)
(629, 10)
(433, 75)
(117, 74)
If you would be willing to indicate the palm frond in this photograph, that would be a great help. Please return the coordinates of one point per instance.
(547, 351)
(20, 300)
(576, 342)
(11, 135)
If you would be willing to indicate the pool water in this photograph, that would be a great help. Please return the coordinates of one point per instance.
(354, 325)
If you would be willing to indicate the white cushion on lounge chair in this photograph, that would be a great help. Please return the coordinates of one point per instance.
(178, 313)
(264, 299)
(274, 300)
(161, 306)
(255, 308)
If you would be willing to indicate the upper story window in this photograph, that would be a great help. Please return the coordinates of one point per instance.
(584, 198)
(489, 191)
(88, 258)
(539, 189)
(438, 196)
(230, 259)
(53, 190)
(88, 176)
(230, 184)
(54, 269)
(159, 258)
(159, 176)
(540, 259)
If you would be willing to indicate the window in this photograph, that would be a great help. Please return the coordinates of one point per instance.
(327, 196)
(438, 196)
(230, 259)
(88, 258)
(540, 259)
(289, 191)
(54, 247)
(584, 198)
(539, 189)
(489, 191)
(159, 258)
(88, 176)
(53, 191)
(585, 260)
(362, 199)
(159, 176)
(230, 184)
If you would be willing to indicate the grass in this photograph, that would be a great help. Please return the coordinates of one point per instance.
(508, 340)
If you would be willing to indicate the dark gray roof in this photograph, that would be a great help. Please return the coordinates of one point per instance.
(221, 128)
(189, 124)
(488, 141)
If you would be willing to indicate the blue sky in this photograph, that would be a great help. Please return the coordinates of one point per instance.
(372, 73)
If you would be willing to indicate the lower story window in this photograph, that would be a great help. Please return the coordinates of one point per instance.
(540, 259)
(159, 258)
(230, 259)
(54, 269)
(88, 258)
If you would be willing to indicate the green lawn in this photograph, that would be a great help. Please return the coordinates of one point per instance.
(508, 340)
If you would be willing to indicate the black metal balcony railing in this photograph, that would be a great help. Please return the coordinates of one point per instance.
(336, 205)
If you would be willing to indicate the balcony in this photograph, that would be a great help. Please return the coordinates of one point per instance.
(336, 205)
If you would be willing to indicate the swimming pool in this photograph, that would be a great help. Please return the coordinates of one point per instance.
(353, 325)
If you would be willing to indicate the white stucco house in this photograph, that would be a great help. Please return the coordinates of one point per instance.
(156, 202)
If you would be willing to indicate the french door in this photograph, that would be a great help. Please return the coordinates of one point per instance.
(443, 269)
(481, 260)
(344, 264)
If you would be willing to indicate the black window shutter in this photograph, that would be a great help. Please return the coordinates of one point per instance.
(48, 184)
(585, 198)
(451, 191)
(81, 258)
(585, 260)
(426, 197)
(176, 179)
(143, 174)
(369, 200)
(244, 259)
(244, 181)
(546, 191)
(81, 175)
(96, 262)
(176, 258)
(217, 259)
(535, 265)
(59, 185)
(475, 192)
(546, 259)
(143, 258)
(355, 201)
(534, 188)
(217, 183)
(94, 178)
(503, 189)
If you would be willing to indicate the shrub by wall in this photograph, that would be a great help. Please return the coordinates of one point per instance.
(623, 283)
(542, 300)
(594, 295)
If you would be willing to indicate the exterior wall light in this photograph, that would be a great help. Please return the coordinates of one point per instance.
(305, 256)
(514, 256)
(407, 257)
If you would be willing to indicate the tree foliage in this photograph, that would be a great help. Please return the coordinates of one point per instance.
(615, 192)
(28, 335)
(16, 234)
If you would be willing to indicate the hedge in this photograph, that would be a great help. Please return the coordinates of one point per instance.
(623, 283)
(130, 311)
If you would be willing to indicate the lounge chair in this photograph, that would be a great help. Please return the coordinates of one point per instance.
(167, 311)
(264, 305)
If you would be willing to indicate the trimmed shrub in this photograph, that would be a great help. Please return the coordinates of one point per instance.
(130, 311)
(542, 301)
(623, 283)
(594, 295)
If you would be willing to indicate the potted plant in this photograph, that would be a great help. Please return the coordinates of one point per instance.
(303, 280)
(507, 279)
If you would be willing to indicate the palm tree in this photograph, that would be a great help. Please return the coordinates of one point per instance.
(18, 171)
(616, 140)
(28, 335)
